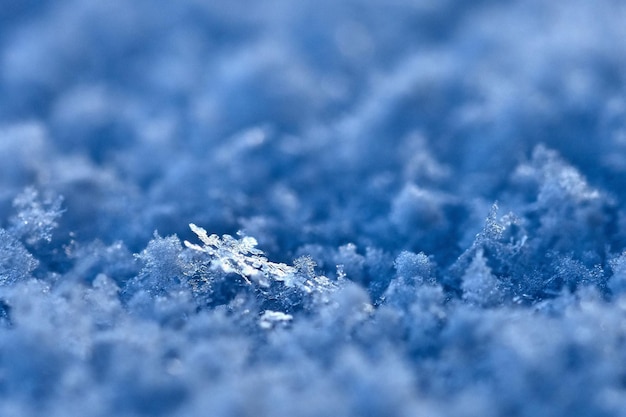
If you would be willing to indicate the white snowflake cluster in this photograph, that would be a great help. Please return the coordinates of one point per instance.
(240, 256)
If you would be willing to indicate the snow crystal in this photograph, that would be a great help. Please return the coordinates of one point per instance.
(407, 208)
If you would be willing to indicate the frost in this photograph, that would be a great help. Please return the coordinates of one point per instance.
(16, 263)
(479, 285)
(415, 268)
(363, 144)
(241, 257)
(36, 218)
(163, 268)
(558, 179)
(305, 265)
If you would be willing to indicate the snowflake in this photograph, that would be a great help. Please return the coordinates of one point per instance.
(240, 256)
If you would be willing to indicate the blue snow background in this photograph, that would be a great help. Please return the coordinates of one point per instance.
(426, 202)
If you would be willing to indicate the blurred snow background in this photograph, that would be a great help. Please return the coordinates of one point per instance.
(436, 192)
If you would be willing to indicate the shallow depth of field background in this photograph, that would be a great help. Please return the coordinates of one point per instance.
(436, 189)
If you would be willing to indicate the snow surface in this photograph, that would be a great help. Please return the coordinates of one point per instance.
(403, 208)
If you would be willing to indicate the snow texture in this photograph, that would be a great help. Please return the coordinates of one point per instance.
(403, 208)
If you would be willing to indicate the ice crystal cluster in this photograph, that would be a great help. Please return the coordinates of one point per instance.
(403, 208)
